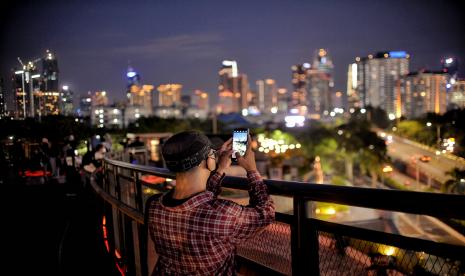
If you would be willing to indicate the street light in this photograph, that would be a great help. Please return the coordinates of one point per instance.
(438, 133)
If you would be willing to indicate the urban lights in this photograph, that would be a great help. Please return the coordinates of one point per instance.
(268, 145)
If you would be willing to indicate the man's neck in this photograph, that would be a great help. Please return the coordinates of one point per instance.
(189, 184)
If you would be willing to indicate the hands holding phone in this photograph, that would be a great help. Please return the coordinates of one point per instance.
(248, 160)
(224, 157)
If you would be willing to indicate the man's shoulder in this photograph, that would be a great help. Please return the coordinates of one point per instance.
(225, 206)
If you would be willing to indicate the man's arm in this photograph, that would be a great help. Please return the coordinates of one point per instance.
(259, 213)
(214, 182)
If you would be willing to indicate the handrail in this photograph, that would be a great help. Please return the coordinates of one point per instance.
(424, 203)
(305, 231)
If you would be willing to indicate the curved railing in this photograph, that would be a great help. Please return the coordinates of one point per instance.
(298, 243)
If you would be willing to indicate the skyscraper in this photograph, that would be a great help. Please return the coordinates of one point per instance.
(37, 91)
(377, 77)
(320, 82)
(50, 73)
(354, 98)
(421, 92)
(85, 105)
(299, 95)
(100, 98)
(169, 95)
(233, 89)
(267, 95)
(67, 98)
(200, 100)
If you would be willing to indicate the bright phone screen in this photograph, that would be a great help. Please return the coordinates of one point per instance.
(240, 141)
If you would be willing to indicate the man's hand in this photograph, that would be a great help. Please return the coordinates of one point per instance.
(248, 160)
(224, 156)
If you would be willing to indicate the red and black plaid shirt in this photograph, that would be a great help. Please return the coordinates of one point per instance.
(199, 237)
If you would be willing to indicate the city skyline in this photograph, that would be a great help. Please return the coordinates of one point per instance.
(186, 42)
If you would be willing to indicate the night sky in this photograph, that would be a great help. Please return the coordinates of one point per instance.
(185, 41)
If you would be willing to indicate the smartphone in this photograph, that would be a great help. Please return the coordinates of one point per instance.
(240, 140)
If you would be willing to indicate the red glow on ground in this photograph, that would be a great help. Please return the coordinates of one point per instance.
(36, 173)
(152, 179)
(107, 245)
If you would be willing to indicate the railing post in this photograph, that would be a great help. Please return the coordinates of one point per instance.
(304, 251)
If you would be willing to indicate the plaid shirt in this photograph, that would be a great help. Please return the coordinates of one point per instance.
(199, 237)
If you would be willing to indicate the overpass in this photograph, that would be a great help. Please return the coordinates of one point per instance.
(298, 243)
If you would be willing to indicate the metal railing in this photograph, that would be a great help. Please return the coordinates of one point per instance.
(297, 243)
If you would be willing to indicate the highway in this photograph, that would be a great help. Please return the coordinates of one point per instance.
(408, 151)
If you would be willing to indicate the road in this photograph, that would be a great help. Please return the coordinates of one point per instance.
(406, 150)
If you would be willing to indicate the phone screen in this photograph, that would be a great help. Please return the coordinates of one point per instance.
(240, 137)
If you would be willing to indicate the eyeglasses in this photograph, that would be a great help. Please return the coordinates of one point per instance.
(213, 154)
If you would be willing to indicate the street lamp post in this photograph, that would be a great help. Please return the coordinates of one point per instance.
(438, 133)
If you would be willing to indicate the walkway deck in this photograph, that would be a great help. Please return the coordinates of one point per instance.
(48, 229)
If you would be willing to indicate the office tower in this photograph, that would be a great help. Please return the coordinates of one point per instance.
(67, 101)
(298, 98)
(138, 95)
(100, 98)
(26, 83)
(283, 100)
(37, 91)
(85, 105)
(141, 96)
(50, 73)
(47, 100)
(133, 79)
(377, 76)
(421, 92)
(320, 84)
(169, 95)
(354, 99)
(271, 95)
(233, 89)
(200, 100)
(2, 100)
(456, 95)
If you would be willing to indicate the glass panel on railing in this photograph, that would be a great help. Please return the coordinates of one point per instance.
(128, 191)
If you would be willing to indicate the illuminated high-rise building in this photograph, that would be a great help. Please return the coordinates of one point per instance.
(377, 77)
(354, 99)
(169, 95)
(141, 96)
(67, 98)
(283, 100)
(299, 95)
(320, 83)
(456, 95)
(133, 79)
(50, 73)
(267, 95)
(421, 92)
(200, 100)
(85, 105)
(26, 84)
(100, 98)
(37, 91)
(233, 89)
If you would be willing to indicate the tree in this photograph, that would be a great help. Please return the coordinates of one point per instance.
(455, 185)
